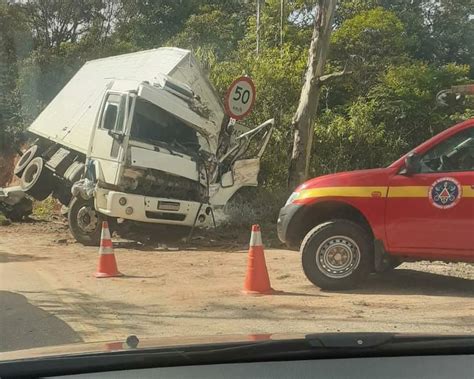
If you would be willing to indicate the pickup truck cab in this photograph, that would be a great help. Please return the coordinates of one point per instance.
(421, 207)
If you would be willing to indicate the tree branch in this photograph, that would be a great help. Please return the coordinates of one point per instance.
(325, 78)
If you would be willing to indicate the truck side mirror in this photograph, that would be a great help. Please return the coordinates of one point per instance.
(412, 164)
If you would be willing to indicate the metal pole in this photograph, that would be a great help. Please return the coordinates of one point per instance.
(282, 3)
(258, 27)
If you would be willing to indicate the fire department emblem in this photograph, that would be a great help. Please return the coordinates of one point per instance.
(445, 193)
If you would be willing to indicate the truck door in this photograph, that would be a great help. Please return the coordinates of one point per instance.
(106, 146)
(433, 209)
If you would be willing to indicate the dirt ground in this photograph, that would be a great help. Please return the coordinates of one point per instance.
(48, 294)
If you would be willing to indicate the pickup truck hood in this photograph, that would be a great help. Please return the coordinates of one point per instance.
(358, 178)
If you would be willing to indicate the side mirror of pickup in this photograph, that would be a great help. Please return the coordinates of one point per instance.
(116, 135)
(412, 164)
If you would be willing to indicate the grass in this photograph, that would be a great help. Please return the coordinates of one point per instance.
(3, 220)
(45, 209)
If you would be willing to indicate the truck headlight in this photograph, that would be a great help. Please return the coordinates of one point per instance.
(292, 197)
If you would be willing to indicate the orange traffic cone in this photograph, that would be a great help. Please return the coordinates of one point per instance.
(114, 346)
(107, 265)
(256, 280)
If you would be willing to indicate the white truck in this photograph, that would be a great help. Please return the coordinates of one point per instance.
(141, 137)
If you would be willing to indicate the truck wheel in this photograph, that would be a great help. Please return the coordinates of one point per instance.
(85, 223)
(37, 180)
(336, 255)
(26, 158)
(74, 172)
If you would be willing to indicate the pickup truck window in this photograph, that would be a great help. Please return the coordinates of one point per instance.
(453, 154)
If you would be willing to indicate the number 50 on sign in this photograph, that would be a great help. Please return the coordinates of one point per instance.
(240, 98)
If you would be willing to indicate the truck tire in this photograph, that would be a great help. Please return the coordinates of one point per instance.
(37, 180)
(74, 172)
(336, 255)
(26, 158)
(85, 223)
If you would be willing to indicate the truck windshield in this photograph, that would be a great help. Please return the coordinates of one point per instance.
(154, 125)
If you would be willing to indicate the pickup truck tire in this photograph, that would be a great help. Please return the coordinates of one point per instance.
(26, 158)
(336, 255)
(37, 180)
(85, 223)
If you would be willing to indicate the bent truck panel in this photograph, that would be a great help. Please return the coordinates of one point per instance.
(70, 117)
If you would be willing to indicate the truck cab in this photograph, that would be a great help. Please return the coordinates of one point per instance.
(153, 159)
(421, 207)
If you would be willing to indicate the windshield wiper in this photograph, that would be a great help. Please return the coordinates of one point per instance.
(313, 346)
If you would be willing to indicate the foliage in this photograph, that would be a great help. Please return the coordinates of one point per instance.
(400, 53)
(45, 209)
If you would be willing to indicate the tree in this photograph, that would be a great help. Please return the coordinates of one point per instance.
(14, 36)
(369, 42)
(302, 122)
(216, 28)
(56, 21)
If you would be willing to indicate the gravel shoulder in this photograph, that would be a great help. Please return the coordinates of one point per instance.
(196, 290)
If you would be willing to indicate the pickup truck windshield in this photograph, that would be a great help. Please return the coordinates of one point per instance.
(154, 125)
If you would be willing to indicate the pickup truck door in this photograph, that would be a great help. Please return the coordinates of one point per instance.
(433, 210)
(106, 146)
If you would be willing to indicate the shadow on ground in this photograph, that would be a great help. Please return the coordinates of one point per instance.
(25, 326)
(96, 315)
(412, 282)
(10, 258)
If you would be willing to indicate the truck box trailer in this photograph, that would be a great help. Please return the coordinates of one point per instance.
(141, 137)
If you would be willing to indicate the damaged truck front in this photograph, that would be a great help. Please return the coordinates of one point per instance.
(140, 137)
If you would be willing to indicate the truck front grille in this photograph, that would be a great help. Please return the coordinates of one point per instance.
(165, 216)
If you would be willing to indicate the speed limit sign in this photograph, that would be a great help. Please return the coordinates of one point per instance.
(240, 98)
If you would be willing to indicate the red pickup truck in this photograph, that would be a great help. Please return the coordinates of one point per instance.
(421, 207)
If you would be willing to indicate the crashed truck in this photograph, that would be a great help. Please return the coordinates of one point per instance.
(139, 137)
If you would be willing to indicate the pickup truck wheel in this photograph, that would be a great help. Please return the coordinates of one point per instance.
(26, 158)
(85, 223)
(336, 255)
(37, 180)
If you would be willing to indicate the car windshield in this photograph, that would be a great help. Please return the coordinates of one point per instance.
(181, 169)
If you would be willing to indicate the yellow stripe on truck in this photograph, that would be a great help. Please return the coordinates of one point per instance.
(408, 191)
(467, 191)
(402, 191)
(343, 192)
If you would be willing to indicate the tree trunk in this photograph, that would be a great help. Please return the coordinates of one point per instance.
(303, 119)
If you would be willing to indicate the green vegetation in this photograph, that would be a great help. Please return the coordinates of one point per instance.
(400, 53)
(45, 209)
